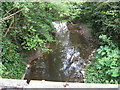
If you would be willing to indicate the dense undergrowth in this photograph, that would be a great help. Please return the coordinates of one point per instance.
(105, 66)
(13, 66)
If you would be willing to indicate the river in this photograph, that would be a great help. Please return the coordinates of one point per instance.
(67, 59)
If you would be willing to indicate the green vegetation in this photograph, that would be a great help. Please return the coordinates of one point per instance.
(105, 66)
(13, 67)
(103, 18)
(31, 27)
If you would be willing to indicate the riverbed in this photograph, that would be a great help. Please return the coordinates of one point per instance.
(68, 55)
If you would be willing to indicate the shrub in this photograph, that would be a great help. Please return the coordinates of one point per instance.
(12, 65)
(105, 66)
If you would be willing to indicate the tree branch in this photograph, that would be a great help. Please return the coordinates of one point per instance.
(7, 12)
(10, 16)
(9, 27)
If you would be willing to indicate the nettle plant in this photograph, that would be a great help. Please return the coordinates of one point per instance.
(105, 66)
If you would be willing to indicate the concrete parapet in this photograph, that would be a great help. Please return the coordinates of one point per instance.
(13, 84)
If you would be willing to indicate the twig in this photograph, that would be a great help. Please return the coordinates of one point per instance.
(9, 11)
(9, 27)
(10, 16)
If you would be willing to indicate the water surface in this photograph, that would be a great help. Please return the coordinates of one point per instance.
(66, 60)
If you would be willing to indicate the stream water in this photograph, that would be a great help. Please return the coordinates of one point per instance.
(67, 58)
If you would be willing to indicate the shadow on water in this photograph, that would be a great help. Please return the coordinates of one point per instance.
(65, 61)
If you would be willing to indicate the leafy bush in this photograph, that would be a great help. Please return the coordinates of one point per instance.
(12, 65)
(105, 66)
(103, 18)
(32, 27)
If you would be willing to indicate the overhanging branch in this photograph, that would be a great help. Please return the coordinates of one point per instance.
(10, 16)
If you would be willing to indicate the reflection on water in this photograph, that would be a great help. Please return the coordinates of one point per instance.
(65, 61)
